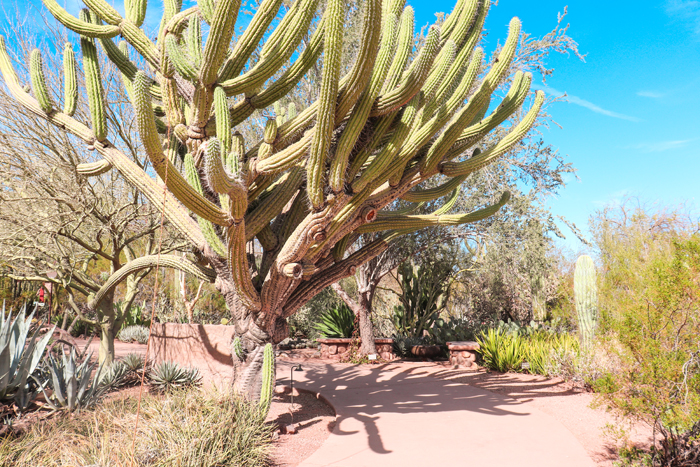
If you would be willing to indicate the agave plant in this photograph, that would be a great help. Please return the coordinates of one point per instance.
(169, 375)
(134, 362)
(70, 383)
(19, 358)
(114, 376)
(337, 322)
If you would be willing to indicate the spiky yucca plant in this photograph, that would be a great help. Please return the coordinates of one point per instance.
(319, 177)
(169, 375)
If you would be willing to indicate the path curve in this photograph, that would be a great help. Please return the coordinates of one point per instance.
(397, 415)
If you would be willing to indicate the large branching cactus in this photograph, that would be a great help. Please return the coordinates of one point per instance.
(318, 178)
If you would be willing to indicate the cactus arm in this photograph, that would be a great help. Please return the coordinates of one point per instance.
(513, 100)
(282, 86)
(70, 78)
(135, 11)
(216, 175)
(434, 193)
(246, 44)
(325, 121)
(453, 169)
(220, 33)
(151, 261)
(360, 113)
(77, 25)
(274, 203)
(93, 85)
(403, 49)
(356, 81)
(238, 264)
(414, 78)
(193, 40)
(268, 380)
(105, 11)
(163, 167)
(182, 63)
(392, 148)
(277, 49)
(93, 169)
(207, 227)
(415, 222)
(463, 55)
(223, 119)
(36, 72)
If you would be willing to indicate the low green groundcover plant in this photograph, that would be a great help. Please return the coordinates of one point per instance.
(182, 428)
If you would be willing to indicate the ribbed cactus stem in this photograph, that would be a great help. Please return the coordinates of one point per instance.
(268, 380)
(70, 80)
(93, 82)
(315, 166)
(237, 346)
(36, 72)
(586, 298)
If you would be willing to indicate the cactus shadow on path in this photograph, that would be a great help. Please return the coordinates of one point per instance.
(396, 414)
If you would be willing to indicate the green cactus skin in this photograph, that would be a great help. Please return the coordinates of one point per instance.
(135, 11)
(207, 227)
(586, 298)
(93, 169)
(316, 164)
(237, 347)
(36, 72)
(93, 83)
(220, 33)
(268, 380)
(70, 80)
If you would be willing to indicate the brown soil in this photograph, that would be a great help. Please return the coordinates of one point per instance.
(313, 418)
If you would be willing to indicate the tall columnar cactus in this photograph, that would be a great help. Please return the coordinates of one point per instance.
(320, 176)
(586, 297)
(268, 380)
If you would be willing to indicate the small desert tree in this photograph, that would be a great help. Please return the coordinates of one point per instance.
(311, 185)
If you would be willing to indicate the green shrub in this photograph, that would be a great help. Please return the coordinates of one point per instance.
(499, 351)
(182, 428)
(337, 322)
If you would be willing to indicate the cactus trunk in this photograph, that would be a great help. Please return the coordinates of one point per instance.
(586, 298)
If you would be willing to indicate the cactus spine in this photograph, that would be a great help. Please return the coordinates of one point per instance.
(586, 298)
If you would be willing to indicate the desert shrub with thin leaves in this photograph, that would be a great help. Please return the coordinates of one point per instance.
(182, 428)
(500, 351)
(167, 376)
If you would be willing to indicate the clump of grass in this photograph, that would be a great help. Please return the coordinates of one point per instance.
(182, 429)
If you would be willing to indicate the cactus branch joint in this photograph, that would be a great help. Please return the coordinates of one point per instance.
(389, 128)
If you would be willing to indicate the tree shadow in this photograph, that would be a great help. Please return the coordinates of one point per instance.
(363, 393)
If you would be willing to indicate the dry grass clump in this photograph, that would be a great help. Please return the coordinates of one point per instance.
(182, 429)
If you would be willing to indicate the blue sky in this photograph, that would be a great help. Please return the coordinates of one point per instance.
(631, 124)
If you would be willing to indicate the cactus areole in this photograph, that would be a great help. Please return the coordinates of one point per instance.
(318, 178)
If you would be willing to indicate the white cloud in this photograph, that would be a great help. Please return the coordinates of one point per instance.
(686, 11)
(613, 199)
(584, 103)
(661, 146)
(650, 94)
